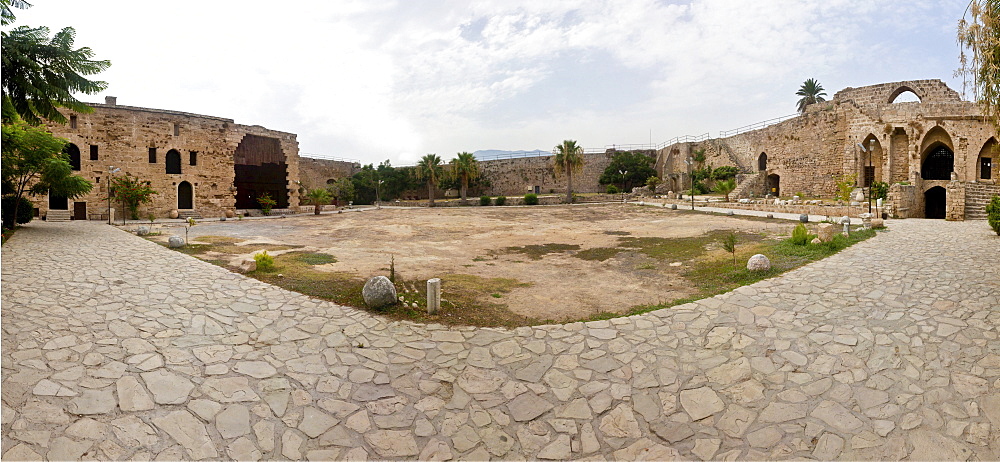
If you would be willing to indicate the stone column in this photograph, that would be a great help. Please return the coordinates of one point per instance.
(433, 295)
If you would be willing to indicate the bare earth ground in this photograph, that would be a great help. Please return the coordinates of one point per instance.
(427, 243)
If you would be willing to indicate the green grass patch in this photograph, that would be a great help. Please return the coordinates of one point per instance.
(537, 251)
(663, 248)
(218, 239)
(314, 258)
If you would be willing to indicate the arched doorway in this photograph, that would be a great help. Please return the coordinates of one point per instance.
(935, 201)
(939, 164)
(74, 156)
(762, 161)
(185, 196)
(173, 161)
(773, 185)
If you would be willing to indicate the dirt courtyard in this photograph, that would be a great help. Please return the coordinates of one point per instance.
(555, 250)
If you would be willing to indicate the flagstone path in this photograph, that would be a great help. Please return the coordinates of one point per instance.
(117, 348)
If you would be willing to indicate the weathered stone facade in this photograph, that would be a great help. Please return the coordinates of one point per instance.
(937, 145)
(199, 165)
(318, 173)
(519, 176)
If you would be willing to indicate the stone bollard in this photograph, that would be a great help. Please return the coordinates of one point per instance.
(803, 218)
(866, 220)
(846, 221)
(433, 295)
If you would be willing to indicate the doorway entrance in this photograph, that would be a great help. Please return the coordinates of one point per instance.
(773, 185)
(935, 201)
(58, 202)
(79, 210)
(185, 196)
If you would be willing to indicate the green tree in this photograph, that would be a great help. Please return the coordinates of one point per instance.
(132, 192)
(317, 197)
(979, 38)
(466, 168)
(42, 74)
(568, 158)
(725, 187)
(266, 203)
(636, 165)
(343, 190)
(429, 169)
(811, 92)
(34, 163)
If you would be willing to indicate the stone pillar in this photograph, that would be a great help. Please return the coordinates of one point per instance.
(955, 201)
(433, 295)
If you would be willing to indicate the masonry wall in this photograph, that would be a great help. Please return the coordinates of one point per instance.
(125, 135)
(515, 177)
(317, 173)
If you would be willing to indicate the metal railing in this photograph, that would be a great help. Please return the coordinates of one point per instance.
(515, 155)
(328, 157)
(756, 126)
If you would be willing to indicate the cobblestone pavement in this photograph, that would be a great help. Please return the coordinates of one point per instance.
(116, 348)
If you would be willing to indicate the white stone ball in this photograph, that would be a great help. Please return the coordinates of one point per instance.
(758, 263)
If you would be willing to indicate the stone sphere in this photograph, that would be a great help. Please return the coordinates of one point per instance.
(379, 292)
(803, 218)
(174, 213)
(142, 231)
(758, 263)
(673, 206)
(730, 213)
(816, 240)
(230, 214)
(175, 242)
(770, 215)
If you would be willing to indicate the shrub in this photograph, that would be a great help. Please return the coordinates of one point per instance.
(993, 214)
(531, 199)
(500, 200)
(484, 200)
(266, 203)
(264, 261)
(845, 184)
(800, 235)
(725, 172)
(25, 211)
(612, 189)
(880, 190)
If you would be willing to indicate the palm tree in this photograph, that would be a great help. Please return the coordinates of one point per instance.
(317, 197)
(465, 168)
(811, 92)
(568, 158)
(429, 169)
(725, 187)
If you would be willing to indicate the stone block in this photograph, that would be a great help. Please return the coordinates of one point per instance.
(826, 231)
(758, 262)
(378, 292)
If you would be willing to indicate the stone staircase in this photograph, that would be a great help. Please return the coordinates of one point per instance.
(58, 216)
(977, 195)
(185, 214)
(751, 183)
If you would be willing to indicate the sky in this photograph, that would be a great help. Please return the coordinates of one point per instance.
(374, 80)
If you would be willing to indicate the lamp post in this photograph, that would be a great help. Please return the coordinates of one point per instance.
(111, 171)
(378, 197)
(871, 167)
(623, 173)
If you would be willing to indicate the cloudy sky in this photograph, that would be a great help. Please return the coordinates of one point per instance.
(374, 80)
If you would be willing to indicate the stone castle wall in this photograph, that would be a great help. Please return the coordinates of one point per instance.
(317, 173)
(516, 177)
(807, 154)
(125, 137)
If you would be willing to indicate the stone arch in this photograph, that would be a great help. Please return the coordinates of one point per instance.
(900, 91)
(185, 196)
(762, 161)
(773, 184)
(872, 161)
(74, 156)
(937, 155)
(173, 161)
(935, 202)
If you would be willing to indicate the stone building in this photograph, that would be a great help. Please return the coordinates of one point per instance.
(318, 173)
(938, 153)
(200, 166)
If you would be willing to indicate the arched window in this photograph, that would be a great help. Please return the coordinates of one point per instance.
(939, 164)
(904, 94)
(173, 161)
(74, 156)
(762, 161)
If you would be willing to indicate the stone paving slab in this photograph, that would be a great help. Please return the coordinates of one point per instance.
(117, 348)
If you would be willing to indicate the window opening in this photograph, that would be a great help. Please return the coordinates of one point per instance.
(152, 155)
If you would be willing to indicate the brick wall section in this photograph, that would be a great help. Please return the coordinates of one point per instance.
(123, 136)
(515, 177)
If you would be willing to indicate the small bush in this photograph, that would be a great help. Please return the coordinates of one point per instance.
(264, 261)
(484, 200)
(531, 199)
(612, 189)
(800, 235)
(993, 214)
(500, 200)
(25, 211)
